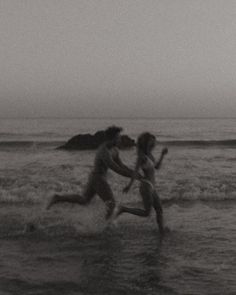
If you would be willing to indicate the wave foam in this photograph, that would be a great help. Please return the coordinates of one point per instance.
(201, 143)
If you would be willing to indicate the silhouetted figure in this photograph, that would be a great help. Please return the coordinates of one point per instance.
(107, 156)
(145, 161)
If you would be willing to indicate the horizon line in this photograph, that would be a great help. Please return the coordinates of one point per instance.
(115, 118)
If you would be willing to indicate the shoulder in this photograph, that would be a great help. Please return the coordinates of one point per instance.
(103, 151)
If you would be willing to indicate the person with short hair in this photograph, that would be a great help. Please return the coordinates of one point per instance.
(107, 157)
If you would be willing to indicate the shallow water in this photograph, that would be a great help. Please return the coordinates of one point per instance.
(65, 256)
(72, 250)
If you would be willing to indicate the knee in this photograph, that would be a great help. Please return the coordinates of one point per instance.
(147, 212)
(84, 201)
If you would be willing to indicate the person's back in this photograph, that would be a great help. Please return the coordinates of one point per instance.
(100, 166)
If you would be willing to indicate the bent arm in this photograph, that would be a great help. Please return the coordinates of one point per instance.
(114, 166)
(118, 161)
(159, 162)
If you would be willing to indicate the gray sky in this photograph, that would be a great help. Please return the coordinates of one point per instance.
(120, 58)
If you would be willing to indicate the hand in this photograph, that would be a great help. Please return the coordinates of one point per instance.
(139, 177)
(164, 151)
(126, 189)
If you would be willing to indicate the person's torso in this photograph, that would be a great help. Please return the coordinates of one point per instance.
(148, 168)
(100, 166)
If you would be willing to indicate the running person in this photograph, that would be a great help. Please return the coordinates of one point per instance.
(145, 160)
(106, 157)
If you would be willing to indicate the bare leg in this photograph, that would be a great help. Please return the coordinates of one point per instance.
(159, 212)
(105, 193)
(134, 211)
(145, 192)
(74, 198)
(77, 199)
(110, 206)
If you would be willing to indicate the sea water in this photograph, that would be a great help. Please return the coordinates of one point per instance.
(72, 251)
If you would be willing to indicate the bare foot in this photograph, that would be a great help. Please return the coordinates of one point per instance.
(51, 202)
(117, 211)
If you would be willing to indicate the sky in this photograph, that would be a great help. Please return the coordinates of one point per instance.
(117, 58)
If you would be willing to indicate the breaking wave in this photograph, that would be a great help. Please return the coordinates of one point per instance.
(201, 143)
(231, 143)
(24, 144)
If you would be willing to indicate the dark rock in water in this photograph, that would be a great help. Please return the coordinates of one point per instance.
(90, 142)
(126, 142)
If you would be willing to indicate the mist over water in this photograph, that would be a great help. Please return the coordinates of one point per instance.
(111, 58)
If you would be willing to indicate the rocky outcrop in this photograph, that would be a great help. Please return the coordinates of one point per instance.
(90, 142)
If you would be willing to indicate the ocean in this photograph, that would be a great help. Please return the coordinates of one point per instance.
(74, 251)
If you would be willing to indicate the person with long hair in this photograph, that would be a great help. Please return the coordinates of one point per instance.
(147, 163)
(107, 156)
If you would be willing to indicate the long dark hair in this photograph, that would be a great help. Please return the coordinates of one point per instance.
(142, 141)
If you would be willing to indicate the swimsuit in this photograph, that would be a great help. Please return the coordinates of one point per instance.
(148, 164)
(148, 182)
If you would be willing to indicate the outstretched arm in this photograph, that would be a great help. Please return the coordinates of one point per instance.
(134, 176)
(118, 161)
(159, 162)
(114, 166)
